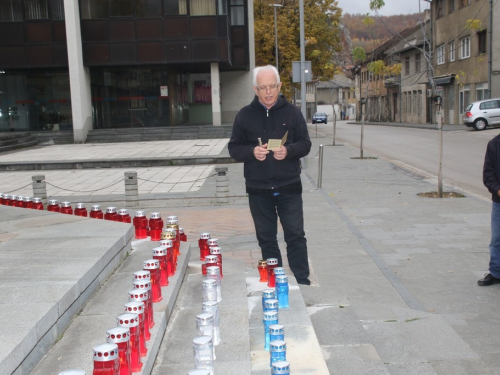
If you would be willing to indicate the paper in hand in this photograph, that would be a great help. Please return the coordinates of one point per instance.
(274, 144)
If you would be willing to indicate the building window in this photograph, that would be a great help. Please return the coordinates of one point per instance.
(439, 7)
(464, 98)
(407, 65)
(417, 63)
(147, 8)
(482, 91)
(237, 12)
(36, 10)
(465, 47)
(481, 42)
(452, 50)
(440, 54)
(464, 3)
(175, 7)
(451, 6)
(11, 10)
(93, 9)
(202, 7)
(57, 9)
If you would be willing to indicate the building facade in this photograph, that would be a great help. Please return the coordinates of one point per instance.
(97, 64)
(460, 54)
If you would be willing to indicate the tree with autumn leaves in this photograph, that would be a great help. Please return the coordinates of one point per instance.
(322, 35)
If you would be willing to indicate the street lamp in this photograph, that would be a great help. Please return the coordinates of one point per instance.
(276, 32)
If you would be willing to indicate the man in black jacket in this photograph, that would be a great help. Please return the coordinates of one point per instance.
(491, 179)
(272, 178)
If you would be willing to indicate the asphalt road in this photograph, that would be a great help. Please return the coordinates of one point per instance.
(463, 150)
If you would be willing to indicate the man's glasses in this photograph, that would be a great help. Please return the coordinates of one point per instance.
(272, 87)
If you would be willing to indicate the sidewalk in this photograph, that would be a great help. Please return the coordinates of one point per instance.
(397, 273)
(446, 127)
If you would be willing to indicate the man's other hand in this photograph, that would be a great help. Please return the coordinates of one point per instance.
(280, 153)
(260, 152)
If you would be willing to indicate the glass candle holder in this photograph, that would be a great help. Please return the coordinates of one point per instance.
(143, 296)
(160, 254)
(270, 318)
(209, 288)
(80, 210)
(212, 307)
(205, 324)
(145, 286)
(282, 291)
(138, 308)
(124, 216)
(217, 251)
(278, 351)
(66, 208)
(37, 204)
(268, 294)
(140, 225)
(131, 321)
(271, 305)
(276, 332)
(272, 263)
(53, 205)
(182, 234)
(111, 214)
(96, 212)
(262, 270)
(280, 368)
(202, 243)
(153, 266)
(121, 337)
(213, 272)
(106, 360)
(155, 226)
(203, 349)
(27, 202)
(210, 260)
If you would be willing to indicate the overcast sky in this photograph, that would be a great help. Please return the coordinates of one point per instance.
(391, 6)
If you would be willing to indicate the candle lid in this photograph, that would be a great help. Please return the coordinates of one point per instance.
(128, 320)
(272, 261)
(105, 352)
(151, 264)
(80, 205)
(118, 334)
(140, 213)
(96, 207)
(205, 236)
(155, 215)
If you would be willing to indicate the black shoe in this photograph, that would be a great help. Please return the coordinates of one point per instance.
(307, 282)
(489, 279)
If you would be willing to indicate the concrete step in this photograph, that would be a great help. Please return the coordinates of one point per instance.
(52, 264)
(241, 350)
(88, 329)
(57, 137)
(14, 141)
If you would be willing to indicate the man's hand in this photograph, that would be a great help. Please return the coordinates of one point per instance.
(260, 152)
(498, 193)
(280, 153)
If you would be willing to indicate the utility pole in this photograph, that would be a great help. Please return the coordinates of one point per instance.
(302, 62)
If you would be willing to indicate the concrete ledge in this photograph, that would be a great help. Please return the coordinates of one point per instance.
(49, 269)
(88, 329)
(114, 163)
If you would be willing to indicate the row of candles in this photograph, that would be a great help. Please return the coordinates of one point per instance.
(126, 343)
(143, 227)
(273, 300)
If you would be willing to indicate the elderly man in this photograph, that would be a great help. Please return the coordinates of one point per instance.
(272, 178)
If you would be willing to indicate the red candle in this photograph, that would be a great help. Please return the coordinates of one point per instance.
(131, 321)
(66, 208)
(153, 266)
(138, 308)
(272, 263)
(37, 204)
(111, 214)
(96, 212)
(53, 206)
(202, 243)
(155, 226)
(123, 216)
(106, 360)
(80, 210)
(140, 225)
(121, 337)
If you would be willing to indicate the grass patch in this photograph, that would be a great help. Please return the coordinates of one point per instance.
(446, 194)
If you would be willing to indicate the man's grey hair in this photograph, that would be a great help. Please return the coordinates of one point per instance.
(267, 67)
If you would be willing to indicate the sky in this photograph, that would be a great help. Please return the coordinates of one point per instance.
(391, 6)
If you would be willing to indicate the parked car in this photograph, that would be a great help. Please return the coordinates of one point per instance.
(482, 114)
(319, 117)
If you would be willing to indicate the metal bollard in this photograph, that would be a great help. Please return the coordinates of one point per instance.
(131, 189)
(320, 167)
(40, 188)
(222, 185)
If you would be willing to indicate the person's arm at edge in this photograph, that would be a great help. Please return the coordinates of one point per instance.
(238, 148)
(302, 144)
(489, 174)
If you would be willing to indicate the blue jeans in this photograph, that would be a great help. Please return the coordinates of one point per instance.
(265, 209)
(495, 240)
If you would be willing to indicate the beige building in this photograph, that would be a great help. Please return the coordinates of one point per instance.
(340, 93)
(460, 54)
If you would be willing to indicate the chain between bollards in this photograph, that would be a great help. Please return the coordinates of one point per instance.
(320, 167)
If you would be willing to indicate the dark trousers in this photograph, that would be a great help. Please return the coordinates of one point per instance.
(265, 209)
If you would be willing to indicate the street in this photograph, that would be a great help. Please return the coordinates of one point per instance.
(463, 150)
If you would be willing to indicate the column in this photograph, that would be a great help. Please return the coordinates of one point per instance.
(81, 106)
(215, 79)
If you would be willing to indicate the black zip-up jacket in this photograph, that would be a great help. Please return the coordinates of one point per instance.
(491, 168)
(255, 121)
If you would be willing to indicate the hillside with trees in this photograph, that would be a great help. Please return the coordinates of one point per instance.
(370, 32)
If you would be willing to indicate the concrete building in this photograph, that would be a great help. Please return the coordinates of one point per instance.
(460, 54)
(340, 93)
(98, 64)
(408, 92)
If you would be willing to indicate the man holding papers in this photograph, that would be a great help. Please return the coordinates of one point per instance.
(270, 136)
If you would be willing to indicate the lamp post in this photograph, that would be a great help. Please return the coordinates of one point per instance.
(276, 32)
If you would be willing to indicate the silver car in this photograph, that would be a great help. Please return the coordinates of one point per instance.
(481, 114)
